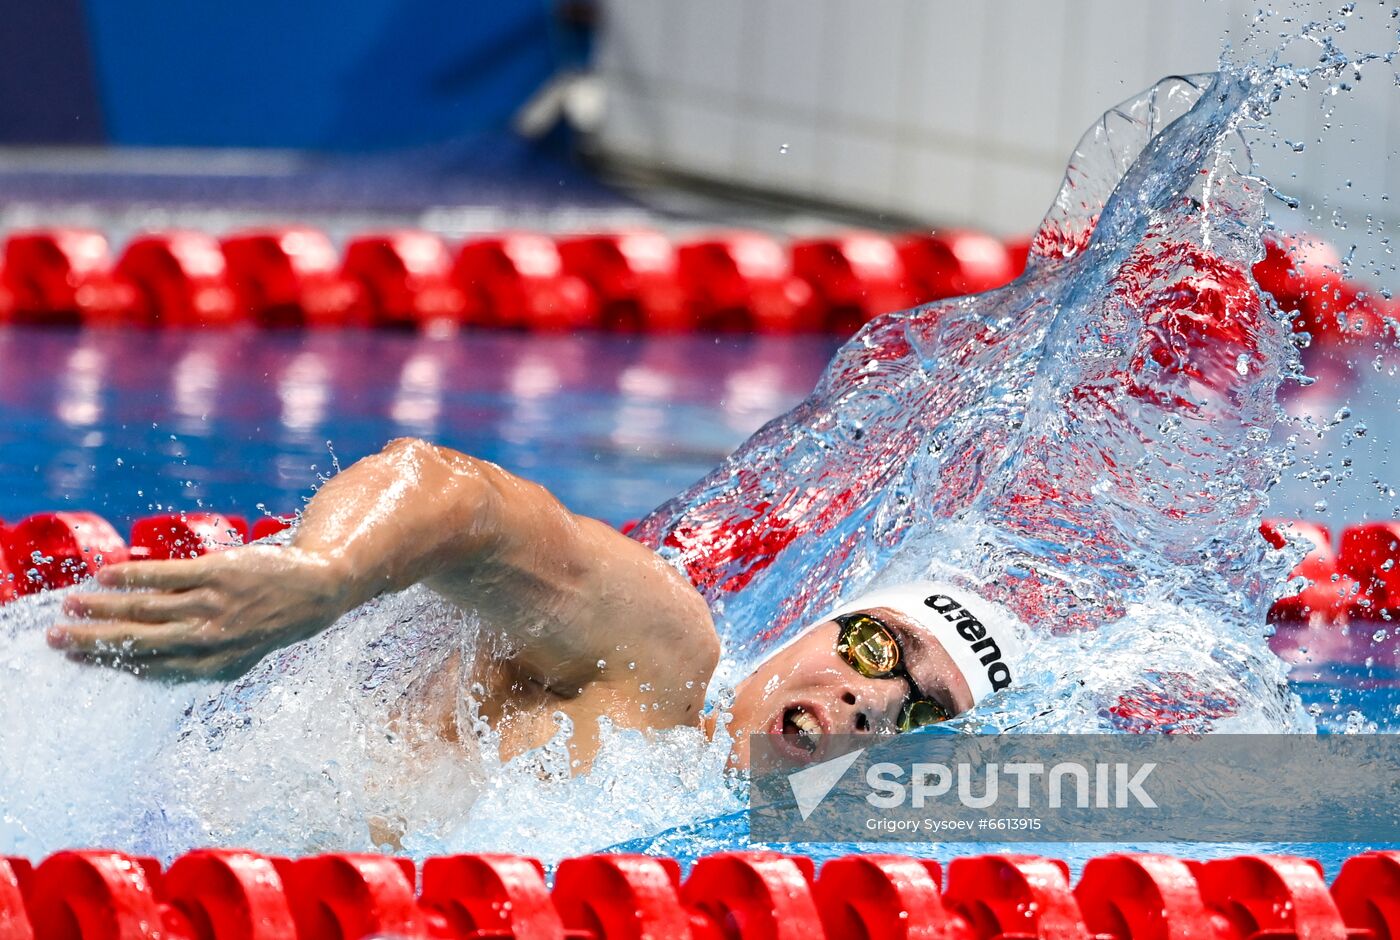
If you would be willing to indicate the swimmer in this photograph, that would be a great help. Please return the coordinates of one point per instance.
(589, 622)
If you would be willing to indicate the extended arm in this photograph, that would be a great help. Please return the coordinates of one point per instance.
(564, 591)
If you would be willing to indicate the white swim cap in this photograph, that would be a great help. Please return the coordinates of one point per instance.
(982, 638)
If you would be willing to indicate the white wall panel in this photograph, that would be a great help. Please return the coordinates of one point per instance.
(953, 111)
(779, 154)
(865, 43)
(702, 138)
(859, 168)
(790, 71)
(942, 185)
(708, 43)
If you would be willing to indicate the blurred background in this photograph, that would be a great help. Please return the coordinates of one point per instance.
(462, 116)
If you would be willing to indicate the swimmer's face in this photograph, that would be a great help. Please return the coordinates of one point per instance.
(808, 690)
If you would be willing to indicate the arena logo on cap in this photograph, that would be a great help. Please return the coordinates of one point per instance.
(974, 632)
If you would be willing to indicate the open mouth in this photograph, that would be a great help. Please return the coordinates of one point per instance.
(802, 728)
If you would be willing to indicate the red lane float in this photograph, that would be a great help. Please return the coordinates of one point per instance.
(230, 895)
(854, 278)
(1361, 581)
(405, 281)
(181, 280)
(14, 918)
(336, 897)
(742, 282)
(237, 895)
(1367, 892)
(1263, 895)
(63, 276)
(1142, 897)
(488, 895)
(1323, 597)
(1015, 895)
(186, 535)
(10, 573)
(886, 896)
(517, 281)
(1370, 556)
(289, 277)
(952, 264)
(55, 550)
(58, 549)
(1304, 276)
(97, 895)
(634, 276)
(271, 525)
(1019, 251)
(7, 297)
(753, 895)
(625, 896)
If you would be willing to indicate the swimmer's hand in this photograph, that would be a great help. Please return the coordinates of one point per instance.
(209, 617)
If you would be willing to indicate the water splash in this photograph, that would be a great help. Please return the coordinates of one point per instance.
(1093, 437)
(1093, 442)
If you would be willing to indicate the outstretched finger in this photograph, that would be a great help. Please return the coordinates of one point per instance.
(144, 608)
(176, 574)
(124, 638)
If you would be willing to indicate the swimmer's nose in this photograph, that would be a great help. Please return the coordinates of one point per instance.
(866, 712)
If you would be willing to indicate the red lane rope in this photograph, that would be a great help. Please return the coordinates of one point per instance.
(625, 281)
(216, 894)
(1357, 581)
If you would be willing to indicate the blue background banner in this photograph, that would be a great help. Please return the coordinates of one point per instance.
(349, 76)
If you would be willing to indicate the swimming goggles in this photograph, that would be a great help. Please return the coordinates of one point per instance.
(873, 650)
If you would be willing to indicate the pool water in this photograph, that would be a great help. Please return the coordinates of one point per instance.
(130, 423)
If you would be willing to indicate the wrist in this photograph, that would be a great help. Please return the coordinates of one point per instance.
(327, 578)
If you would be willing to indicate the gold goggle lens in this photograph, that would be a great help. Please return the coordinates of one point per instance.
(920, 714)
(868, 646)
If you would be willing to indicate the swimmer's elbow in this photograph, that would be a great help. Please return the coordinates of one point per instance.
(456, 494)
(416, 454)
(432, 467)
